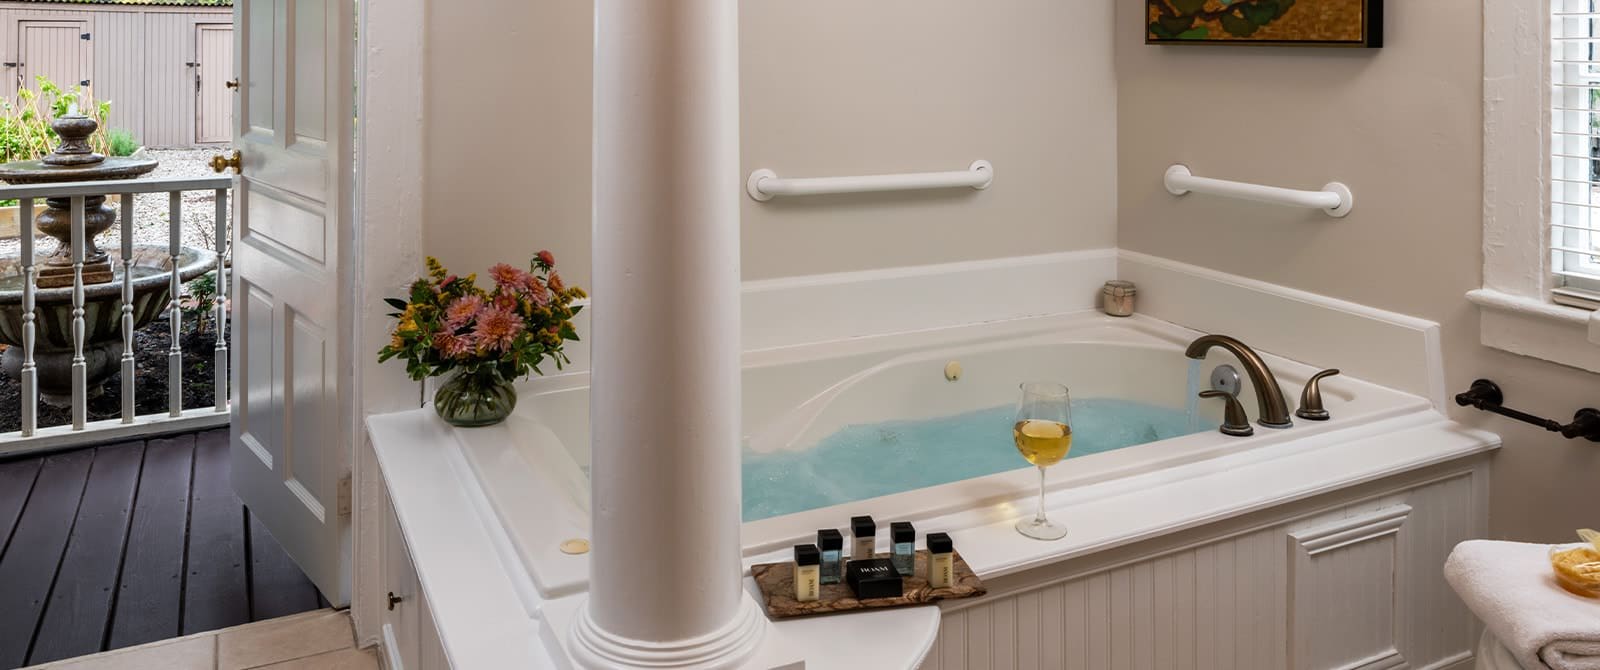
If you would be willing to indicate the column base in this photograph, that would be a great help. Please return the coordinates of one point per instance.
(725, 649)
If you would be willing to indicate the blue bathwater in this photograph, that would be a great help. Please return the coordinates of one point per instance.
(869, 460)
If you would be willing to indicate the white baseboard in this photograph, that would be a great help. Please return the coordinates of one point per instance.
(1388, 348)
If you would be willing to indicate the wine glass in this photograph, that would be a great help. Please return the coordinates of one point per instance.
(1043, 433)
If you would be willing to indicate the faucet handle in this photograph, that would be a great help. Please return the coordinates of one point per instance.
(1234, 421)
(1311, 408)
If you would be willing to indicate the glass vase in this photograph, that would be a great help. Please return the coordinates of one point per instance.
(469, 400)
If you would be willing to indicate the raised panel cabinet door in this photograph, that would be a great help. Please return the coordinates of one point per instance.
(292, 125)
(1346, 611)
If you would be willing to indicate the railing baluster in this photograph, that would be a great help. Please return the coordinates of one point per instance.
(129, 384)
(30, 375)
(219, 365)
(80, 383)
(174, 312)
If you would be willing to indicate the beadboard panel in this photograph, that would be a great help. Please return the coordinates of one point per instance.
(1355, 585)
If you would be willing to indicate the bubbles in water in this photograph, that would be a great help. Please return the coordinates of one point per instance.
(868, 460)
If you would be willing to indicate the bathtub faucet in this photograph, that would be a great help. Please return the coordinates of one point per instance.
(1269, 398)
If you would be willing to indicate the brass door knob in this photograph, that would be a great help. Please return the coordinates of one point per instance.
(221, 162)
(1311, 408)
(232, 83)
(394, 600)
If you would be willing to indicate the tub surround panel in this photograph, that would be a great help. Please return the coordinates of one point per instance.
(1395, 350)
(793, 311)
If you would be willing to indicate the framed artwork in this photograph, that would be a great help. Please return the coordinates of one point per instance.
(1317, 23)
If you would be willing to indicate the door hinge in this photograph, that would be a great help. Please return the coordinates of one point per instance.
(84, 36)
(344, 495)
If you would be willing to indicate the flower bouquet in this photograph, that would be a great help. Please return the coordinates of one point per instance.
(486, 338)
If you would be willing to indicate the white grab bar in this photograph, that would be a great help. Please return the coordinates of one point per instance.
(1334, 198)
(765, 184)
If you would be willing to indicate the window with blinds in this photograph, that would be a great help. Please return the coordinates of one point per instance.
(1575, 151)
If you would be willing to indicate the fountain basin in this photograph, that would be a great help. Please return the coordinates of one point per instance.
(102, 316)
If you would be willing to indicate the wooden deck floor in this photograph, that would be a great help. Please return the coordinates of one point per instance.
(130, 543)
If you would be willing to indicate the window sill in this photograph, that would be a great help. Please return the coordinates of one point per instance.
(1531, 327)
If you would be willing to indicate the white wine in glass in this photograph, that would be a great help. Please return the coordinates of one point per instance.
(1043, 435)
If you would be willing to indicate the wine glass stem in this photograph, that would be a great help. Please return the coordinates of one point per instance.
(1038, 517)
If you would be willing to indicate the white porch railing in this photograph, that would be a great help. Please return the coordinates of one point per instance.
(32, 438)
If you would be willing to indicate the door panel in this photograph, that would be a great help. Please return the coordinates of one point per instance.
(290, 452)
(213, 99)
(54, 49)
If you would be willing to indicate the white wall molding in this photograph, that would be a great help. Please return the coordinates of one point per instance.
(1388, 348)
(1538, 328)
(1345, 532)
(389, 195)
(1517, 313)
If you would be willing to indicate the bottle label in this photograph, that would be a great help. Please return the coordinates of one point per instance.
(805, 583)
(942, 574)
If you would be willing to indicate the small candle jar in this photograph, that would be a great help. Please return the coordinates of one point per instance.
(903, 552)
(807, 573)
(1116, 297)
(941, 561)
(831, 542)
(864, 540)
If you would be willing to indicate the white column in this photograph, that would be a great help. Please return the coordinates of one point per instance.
(665, 587)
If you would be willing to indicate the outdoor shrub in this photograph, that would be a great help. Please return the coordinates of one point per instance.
(25, 131)
(199, 298)
(122, 142)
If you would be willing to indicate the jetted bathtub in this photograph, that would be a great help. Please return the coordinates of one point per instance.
(874, 426)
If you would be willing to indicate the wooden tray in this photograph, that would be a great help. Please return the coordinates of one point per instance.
(777, 589)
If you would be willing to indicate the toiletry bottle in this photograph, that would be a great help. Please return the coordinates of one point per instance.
(941, 561)
(807, 573)
(831, 542)
(864, 535)
(903, 551)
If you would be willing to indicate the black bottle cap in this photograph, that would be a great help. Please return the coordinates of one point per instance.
(939, 543)
(862, 526)
(830, 539)
(806, 554)
(902, 531)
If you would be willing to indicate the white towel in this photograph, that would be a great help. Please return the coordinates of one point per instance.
(1511, 587)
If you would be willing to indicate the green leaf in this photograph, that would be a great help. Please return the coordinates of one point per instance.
(1199, 33)
(1261, 13)
(1175, 25)
(1238, 26)
(1188, 6)
(396, 303)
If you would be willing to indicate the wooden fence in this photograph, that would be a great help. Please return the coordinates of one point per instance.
(162, 67)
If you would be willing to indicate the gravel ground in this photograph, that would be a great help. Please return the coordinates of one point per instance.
(150, 210)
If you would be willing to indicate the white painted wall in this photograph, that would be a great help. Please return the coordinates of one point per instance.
(829, 87)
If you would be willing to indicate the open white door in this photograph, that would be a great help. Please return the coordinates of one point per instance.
(294, 123)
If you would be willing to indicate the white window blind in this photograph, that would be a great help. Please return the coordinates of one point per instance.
(1574, 147)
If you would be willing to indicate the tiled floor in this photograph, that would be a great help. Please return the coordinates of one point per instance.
(320, 640)
(131, 543)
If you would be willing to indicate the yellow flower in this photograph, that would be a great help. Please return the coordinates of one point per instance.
(396, 343)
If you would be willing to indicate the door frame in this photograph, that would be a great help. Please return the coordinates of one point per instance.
(386, 244)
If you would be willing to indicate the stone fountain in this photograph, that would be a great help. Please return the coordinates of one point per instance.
(150, 265)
